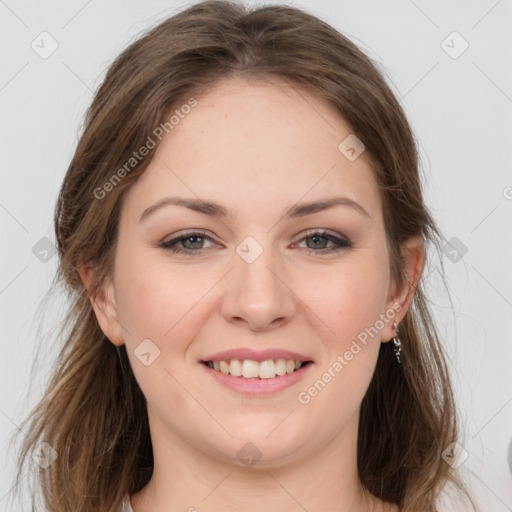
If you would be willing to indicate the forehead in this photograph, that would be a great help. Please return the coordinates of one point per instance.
(254, 144)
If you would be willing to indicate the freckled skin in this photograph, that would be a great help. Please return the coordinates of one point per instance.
(257, 149)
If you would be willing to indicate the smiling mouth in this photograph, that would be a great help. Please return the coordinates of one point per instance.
(250, 369)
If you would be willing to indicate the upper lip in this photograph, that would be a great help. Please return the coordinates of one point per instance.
(256, 355)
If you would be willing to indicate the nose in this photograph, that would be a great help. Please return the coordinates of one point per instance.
(258, 294)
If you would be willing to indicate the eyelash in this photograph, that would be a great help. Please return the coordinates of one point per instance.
(342, 243)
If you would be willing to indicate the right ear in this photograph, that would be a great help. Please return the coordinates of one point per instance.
(104, 305)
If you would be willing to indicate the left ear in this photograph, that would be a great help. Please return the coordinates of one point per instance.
(413, 255)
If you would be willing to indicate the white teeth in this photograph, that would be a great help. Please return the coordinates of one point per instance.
(224, 367)
(267, 369)
(281, 367)
(235, 368)
(251, 369)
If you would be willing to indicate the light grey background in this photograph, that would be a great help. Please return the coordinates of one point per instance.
(460, 109)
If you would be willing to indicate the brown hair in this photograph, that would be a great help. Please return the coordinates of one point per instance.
(93, 412)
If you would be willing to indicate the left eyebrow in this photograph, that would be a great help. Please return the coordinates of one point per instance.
(216, 210)
(303, 209)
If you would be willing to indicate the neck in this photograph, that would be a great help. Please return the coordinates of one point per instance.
(189, 479)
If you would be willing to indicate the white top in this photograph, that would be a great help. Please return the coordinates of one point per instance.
(127, 506)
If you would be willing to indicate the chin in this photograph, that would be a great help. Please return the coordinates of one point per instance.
(262, 447)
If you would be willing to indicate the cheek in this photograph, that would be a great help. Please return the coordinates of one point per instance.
(162, 307)
(347, 301)
(144, 302)
(350, 310)
(149, 307)
(162, 303)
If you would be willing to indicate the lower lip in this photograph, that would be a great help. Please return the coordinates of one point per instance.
(258, 387)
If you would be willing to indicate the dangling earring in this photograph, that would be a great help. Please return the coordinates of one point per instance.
(398, 344)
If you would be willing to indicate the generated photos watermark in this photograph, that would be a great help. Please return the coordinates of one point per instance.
(304, 397)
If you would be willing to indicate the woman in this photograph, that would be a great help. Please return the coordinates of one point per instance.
(243, 232)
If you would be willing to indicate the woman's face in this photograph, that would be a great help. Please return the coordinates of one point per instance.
(259, 278)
